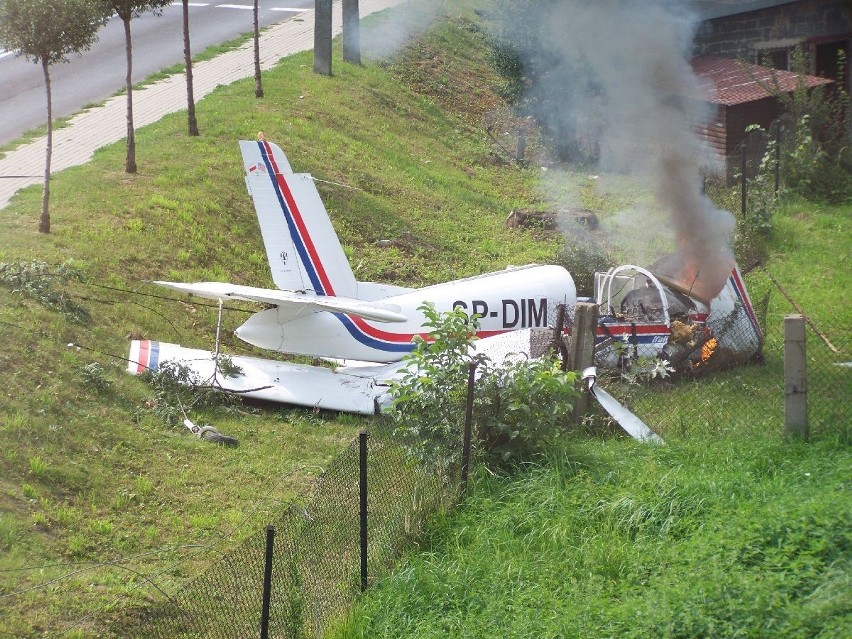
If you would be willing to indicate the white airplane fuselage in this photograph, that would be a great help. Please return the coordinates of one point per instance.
(524, 297)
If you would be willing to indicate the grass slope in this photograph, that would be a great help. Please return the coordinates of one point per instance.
(88, 472)
(578, 544)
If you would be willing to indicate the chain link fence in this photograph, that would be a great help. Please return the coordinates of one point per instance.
(722, 393)
(316, 569)
(316, 560)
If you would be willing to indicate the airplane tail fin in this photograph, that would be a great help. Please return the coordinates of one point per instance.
(301, 244)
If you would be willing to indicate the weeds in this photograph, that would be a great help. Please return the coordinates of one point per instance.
(38, 281)
(94, 376)
(178, 388)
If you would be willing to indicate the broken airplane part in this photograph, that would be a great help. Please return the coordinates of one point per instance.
(319, 309)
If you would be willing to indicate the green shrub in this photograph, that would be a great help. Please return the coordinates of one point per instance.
(583, 259)
(94, 376)
(429, 398)
(811, 170)
(521, 405)
(38, 281)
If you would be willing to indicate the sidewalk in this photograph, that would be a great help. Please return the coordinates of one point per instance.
(90, 130)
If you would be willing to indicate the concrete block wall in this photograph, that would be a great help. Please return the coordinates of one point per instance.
(787, 25)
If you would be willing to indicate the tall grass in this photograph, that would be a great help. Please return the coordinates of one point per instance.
(705, 537)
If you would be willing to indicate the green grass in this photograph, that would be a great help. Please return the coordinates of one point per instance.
(704, 537)
(89, 474)
(726, 531)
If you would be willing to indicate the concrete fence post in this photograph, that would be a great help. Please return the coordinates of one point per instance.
(351, 32)
(322, 37)
(795, 378)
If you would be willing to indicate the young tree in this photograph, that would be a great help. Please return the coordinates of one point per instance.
(258, 86)
(47, 32)
(127, 10)
(187, 57)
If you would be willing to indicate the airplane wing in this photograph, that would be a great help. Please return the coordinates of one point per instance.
(361, 391)
(219, 290)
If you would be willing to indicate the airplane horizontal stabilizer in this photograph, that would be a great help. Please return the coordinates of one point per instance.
(220, 290)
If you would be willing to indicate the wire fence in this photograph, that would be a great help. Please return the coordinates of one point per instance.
(316, 570)
(316, 551)
(725, 394)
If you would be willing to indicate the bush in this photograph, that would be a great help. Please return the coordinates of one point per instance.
(521, 405)
(811, 171)
(176, 389)
(429, 398)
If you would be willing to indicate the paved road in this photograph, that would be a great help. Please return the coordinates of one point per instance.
(90, 130)
(100, 72)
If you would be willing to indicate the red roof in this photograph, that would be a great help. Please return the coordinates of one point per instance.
(733, 82)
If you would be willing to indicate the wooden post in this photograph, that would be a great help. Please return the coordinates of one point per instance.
(582, 351)
(322, 37)
(559, 337)
(795, 378)
(351, 32)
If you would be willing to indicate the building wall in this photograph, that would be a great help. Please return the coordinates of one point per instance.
(782, 27)
(774, 30)
(739, 117)
(730, 141)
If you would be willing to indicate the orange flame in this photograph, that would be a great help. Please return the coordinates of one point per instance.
(708, 349)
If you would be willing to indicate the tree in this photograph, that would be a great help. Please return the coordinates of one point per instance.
(192, 123)
(258, 86)
(47, 32)
(127, 10)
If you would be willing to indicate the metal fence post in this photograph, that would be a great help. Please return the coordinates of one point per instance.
(558, 340)
(744, 179)
(267, 583)
(468, 421)
(362, 486)
(522, 146)
(777, 157)
(795, 378)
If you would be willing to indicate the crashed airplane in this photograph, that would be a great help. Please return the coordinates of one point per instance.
(319, 309)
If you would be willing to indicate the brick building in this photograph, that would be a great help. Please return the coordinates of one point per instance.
(739, 43)
(766, 32)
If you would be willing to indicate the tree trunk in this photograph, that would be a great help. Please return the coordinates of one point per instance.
(44, 221)
(258, 86)
(130, 162)
(187, 57)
